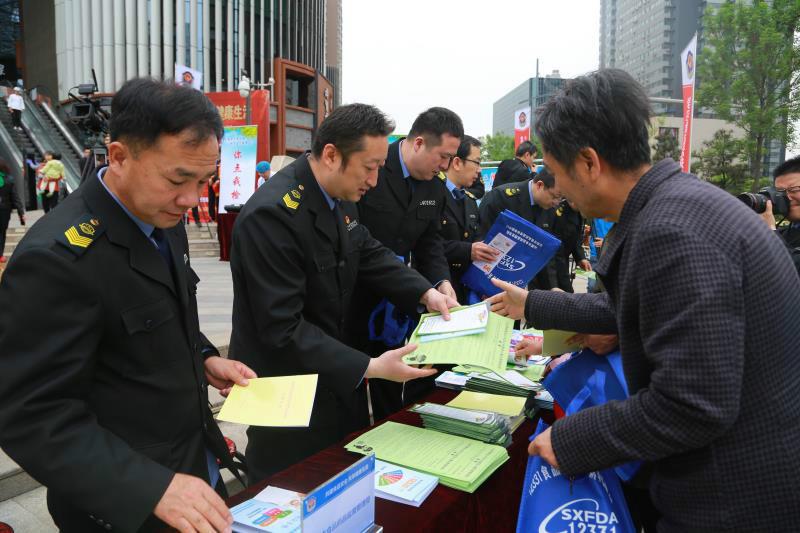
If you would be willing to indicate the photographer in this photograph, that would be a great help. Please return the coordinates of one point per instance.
(787, 183)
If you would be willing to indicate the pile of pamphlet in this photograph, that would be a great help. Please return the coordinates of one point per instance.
(479, 425)
(470, 320)
(458, 462)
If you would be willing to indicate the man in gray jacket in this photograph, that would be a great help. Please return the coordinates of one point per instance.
(705, 302)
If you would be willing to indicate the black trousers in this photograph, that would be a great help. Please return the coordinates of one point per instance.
(212, 203)
(16, 118)
(49, 202)
(5, 216)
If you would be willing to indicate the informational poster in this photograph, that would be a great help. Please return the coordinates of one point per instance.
(688, 69)
(188, 77)
(522, 126)
(237, 166)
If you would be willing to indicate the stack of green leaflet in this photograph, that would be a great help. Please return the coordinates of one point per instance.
(509, 383)
(479, 425)
(487, 348)
(458, 462)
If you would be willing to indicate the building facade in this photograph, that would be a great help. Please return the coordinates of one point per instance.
(532, 93)
(122, 39)
(646, 39)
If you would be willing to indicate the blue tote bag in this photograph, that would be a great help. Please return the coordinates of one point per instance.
(551, 502)
(554, 503)
(574, 378)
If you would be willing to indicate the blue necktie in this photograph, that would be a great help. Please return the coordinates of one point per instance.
(163, 246)
(459, 194)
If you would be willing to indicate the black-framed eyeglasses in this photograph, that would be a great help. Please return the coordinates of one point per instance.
(473, 161)
(790, 190)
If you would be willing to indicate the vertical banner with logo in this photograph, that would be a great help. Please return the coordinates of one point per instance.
(237, 167)
(688, 69)
(522, 126)
(188, 77)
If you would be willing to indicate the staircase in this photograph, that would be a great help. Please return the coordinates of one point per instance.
(21, 139)
(200, 243)
(61, 144)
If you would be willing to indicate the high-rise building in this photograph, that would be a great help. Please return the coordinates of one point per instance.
(64, 40)
(532, 93)
(646, 38)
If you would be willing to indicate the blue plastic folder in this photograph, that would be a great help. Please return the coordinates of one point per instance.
(532, 249)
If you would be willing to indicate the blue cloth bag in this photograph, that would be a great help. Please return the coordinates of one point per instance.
(551, 502)
(389, 325)
(575, 378)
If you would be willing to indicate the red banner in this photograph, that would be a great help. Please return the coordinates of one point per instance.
(233, 110)
(686, 139)
(522, 126)
(688, 70)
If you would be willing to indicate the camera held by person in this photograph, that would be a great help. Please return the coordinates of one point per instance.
(757, 201)
(782, 199)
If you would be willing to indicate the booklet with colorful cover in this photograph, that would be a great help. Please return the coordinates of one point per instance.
(402, 485)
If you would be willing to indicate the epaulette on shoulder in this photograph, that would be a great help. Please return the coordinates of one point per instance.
(470, 194)
(293, 198)
(513, 191)
(81, 234)
(442, 176)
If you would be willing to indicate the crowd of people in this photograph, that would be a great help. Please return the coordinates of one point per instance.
(332, 259)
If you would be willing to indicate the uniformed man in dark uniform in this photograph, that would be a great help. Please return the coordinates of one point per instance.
(568, 227)
(298, 253)
(460, 221)
(534, 200)
(103, 396)
(404, 212)
(517, 169)
(9, 199)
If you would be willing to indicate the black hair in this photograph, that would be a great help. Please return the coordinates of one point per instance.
(57, 156)
(790, 166)
(435, 122)
(467, 142)
(545, 177)
(144, 109)
(526, 147)
(346, 128)
(606, 110)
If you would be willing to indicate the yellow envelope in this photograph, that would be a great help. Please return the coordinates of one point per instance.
(284, 401)
(496, 403)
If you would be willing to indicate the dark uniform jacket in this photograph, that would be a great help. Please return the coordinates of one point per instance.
(103, 393)
(407, 225)
(568, 226)
(516, 198)
(791, 237)
(460, 228)
(9, 197)
(295, 264)
(705, 302)
(511, 171)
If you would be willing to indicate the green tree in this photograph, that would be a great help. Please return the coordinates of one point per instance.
(497, 147)
(748, 71)
(666, 145)
(721, 161)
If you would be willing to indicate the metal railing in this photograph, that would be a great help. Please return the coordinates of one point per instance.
(63, 129)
